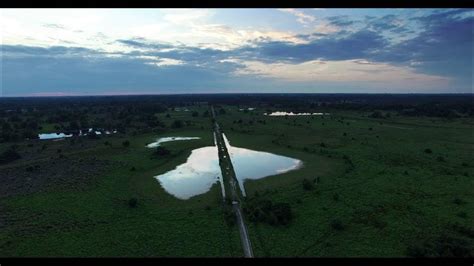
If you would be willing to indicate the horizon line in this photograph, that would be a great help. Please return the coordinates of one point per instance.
(230, 93)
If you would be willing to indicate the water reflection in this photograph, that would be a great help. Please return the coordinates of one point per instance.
(292, 114)
(250, 164)
(201, 170)
(167, 139)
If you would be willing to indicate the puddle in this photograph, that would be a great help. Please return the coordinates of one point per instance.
(291, 114)
(167, 139)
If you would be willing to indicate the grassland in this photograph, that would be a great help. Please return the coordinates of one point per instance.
(379, 193)
(376, 181)
(96, 220)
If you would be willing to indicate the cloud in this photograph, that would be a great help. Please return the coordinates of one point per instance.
(342, 71)
(341, 21)
(332, 47)
(444, 47)
(301, 16)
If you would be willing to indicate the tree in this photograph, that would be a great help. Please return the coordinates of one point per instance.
(307, 185)
(132, 203)
(126, 143)
(376, 114)
(161, 151)
(9, 155)
(177, 124)
(195, 114)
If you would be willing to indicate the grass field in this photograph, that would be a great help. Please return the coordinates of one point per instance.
(394, 197)
(379, 193)
(96, 220)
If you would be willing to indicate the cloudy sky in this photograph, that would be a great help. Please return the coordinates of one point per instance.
(161, 51)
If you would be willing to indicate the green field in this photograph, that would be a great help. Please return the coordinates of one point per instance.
(379, 193)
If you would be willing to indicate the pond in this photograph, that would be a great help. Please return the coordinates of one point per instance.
(250, 164)
(54, 136)
(201, 170)
(45, 136)
(291, 114)
(167, 139)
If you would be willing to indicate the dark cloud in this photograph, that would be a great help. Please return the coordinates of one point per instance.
(143, 43)
(86, 75)
(444, 47)
(341, 21)
(332, 47)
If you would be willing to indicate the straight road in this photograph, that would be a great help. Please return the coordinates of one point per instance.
(228, 175)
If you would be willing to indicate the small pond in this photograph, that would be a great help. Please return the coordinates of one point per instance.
(292, 114)
(201, 169)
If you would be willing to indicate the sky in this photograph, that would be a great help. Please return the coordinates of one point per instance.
(56, 52)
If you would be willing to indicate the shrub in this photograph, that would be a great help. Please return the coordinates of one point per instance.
(132, 203)
(229, 216)
(126, 143)
(440, 159)
(458, 201)
(161, 151)
(307, 185)
(335, 197)
(337, 225)
(9, 155)
(195, 114)
(428, 151)
(462, 215)
(177, 124)
(443, 246)
(265, 211)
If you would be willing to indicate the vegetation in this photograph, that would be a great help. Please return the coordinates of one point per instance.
(400, 189)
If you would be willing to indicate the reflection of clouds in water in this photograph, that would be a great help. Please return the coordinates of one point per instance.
(201, 170)
(291, 114)
(194, 177)
(250, 164)
(167, 139)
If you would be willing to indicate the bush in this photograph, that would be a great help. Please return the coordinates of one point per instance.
(161, 151)
(126, 143)
(265, 211)
(132, 203)
(428, 151)
(440, 159)
(177, 124)
(337, 225)
(8, 156)
(335, 197)
(307, 185)
(195, 114)
(229, 216)
(458, 201)
(443, 246)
